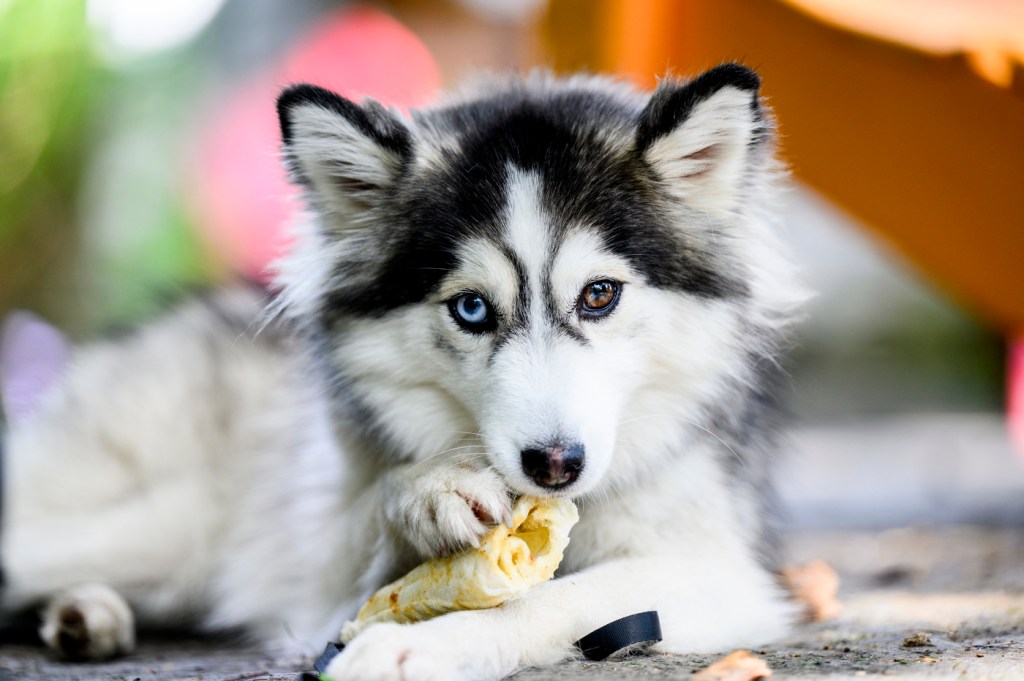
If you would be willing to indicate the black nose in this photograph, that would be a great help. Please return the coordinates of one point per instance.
(553, 466)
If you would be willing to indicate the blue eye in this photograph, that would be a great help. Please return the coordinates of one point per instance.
(472, 312)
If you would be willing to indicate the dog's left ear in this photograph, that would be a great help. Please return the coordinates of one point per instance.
(697, 135)
(348, 155)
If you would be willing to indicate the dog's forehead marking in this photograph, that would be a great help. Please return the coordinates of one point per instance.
(529, 236)
(535, 242)
(526, 229)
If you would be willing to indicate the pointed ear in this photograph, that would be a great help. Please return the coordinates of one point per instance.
(33, 357)
(697, 135)
(347, 155)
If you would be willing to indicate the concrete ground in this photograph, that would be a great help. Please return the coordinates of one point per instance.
(962, 587)
(931, 599)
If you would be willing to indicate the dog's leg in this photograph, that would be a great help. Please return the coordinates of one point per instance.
(703, 607)
(88, 622)
(444, 504)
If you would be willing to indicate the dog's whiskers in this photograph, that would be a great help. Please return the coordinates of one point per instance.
(710, 432)
(462, 457)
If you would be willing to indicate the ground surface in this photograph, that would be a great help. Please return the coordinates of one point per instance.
(962, 587)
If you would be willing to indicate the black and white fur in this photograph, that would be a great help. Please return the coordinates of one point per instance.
(200, 473)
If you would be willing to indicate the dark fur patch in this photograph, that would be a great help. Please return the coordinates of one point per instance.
(515, 321)
(446, 345)
(673, 102)
(557, 135)
(749, 430)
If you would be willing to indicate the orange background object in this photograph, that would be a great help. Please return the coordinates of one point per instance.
(917, 146)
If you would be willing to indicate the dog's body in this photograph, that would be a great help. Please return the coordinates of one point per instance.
(545, 287)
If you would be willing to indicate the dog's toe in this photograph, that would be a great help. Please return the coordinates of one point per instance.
(394, 652)
(416, 666)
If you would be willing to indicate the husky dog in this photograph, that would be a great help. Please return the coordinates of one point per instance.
(539, 286)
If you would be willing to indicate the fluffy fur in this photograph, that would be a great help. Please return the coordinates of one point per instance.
(215, 476)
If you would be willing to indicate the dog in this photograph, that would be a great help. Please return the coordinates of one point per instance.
(545, 286)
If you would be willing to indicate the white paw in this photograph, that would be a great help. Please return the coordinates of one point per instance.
(448, 506)
(412, 652)
(88, 622)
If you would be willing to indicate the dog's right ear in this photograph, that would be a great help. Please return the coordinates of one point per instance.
(346, 155)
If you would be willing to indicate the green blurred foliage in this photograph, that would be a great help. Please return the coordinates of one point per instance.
(930, 358)
(94, 225)
(49, 82)
(141, 280)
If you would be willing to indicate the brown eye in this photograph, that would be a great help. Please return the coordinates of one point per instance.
(598, 298)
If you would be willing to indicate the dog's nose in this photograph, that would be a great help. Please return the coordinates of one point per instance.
(553, 466)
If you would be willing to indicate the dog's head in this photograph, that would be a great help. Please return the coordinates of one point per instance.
(533, 267)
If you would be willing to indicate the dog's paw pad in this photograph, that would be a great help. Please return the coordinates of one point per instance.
(91, 622)
(72, 633)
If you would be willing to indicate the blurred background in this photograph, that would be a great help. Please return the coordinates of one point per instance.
(138, 159)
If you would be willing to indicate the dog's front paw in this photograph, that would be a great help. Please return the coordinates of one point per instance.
(447, 506)
(88, 622)
(412, 652)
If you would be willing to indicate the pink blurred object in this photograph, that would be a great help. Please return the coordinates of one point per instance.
(1015, 393)
(243, 199)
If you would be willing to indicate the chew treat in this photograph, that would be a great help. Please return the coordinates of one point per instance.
(510, 560)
